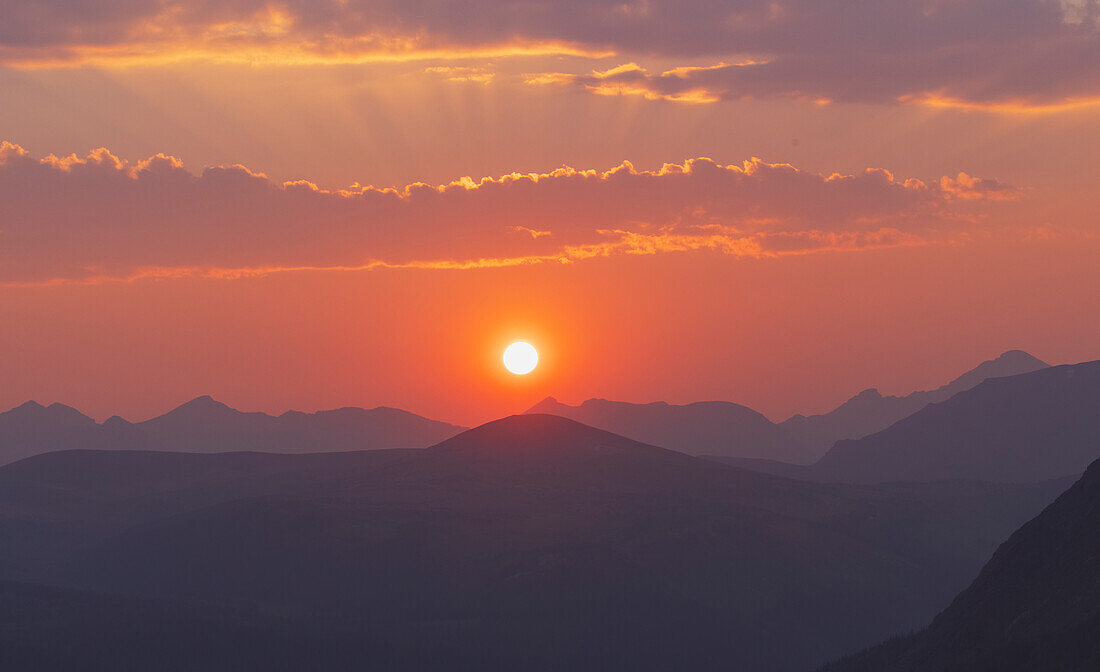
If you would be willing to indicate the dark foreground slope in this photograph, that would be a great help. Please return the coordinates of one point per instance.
(1035, 605)
(532, 542)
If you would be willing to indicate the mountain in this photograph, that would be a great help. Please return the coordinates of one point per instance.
(206, 425)
(1034, 606)
(709, 427)
(32, 428)
(532, 542)
(1032, 426)
(869, 412)
(727, 430)
(706, 428)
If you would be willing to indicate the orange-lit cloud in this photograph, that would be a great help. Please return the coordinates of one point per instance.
(755, 246)
(532, 232)
(152, 32)
(1020, 56)
(98, 218)
(969, 188)
(631, 79)
(462, 73)
(915, 79)
(1018, 106)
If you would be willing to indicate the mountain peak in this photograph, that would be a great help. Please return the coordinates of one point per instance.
(869, 393)
(54, 413)
(202, 406)
(1008, 363)
(1021, 357)
(59, 409)
(547, 405)
(538, 435)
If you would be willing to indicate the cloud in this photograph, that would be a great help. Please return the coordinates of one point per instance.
(99, 218)
(1001, 55)
(977, 81)
(462, 73)
(681, 85)
(969, 188)
(531, 232)
(631, 79)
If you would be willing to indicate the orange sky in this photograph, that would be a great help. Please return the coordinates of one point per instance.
(362, 203)
(786, 335)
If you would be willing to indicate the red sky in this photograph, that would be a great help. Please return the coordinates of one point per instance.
(310, 205)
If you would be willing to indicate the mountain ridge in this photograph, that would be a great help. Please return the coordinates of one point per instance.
(204, 424)
(728, 429)
(993, 431)
(1031, 426)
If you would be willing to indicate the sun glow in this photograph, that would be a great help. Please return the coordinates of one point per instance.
(520, 358)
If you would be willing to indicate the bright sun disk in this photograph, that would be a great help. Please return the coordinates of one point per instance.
(520, 358)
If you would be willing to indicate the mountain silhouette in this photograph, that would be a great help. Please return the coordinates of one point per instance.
(869, 412)
(32, 428)
(206, 425)
(545, 439)
(725, 429)
(1032, 426)
(712, 428)
(534, 540)
(717, 427)
(1034, 606)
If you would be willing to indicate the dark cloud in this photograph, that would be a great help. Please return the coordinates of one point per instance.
(1024, 52)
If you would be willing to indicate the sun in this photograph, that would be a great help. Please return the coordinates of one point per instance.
(520, 358)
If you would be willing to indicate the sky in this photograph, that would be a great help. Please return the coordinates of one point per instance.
(309, 205)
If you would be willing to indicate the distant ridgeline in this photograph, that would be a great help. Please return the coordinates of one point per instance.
(725, 429)
(204, 425)
(1044, 424)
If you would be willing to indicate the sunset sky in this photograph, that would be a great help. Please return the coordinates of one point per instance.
(331, 203)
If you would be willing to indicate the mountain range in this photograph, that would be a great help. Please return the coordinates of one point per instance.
(726, 429)
(544, 543)
(717, 428)
(208, 426)
(532, 542)
(1031, 426)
